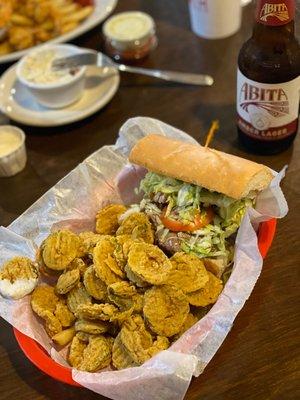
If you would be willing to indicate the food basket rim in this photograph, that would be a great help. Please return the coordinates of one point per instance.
(39, 357)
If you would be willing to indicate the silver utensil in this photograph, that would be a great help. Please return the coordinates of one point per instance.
(91, 57)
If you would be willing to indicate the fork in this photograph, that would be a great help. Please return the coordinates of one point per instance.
(91, 57)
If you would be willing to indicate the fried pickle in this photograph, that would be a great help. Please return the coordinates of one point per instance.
(132, 277)
(121, 316)
(44, 299)
(138, 226)
(78, 296)
(165, 309)
(107, 219)
(60, 248)
(125, 296)
(75, 354)
(161, 343)
(79, 265)
(85, 337)
(18, 277)
(136, 339)
(64, 337)
(67, 281)
(120, 357)
(91, 327)
(149, 263)
(208, 294)
(103, 312)
(105, 264)
(52, 324)
(64, 315)
(188, 272)
(89, 241)
(188, 323)
(97, 354)
(94, 286)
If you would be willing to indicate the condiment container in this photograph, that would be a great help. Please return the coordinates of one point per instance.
(129, 36)
(51, 89)
(12, 150)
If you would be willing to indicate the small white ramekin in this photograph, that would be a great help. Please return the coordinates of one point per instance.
(13, 162)
(60, 94)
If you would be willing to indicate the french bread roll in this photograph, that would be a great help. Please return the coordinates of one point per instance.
(202, 166)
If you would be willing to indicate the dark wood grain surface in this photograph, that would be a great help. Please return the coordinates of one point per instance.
(260, 358)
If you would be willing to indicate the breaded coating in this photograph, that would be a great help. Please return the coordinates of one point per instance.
(44, 299)
(64, 315)
(52, 324)
(60, 248)
(125, 296)
(85, 337)
(78, 264)
(161, 343)
(67, 281)
(188, 323)
(97, 354)
(119, 252)
(208, 294)
(103, 312)
(64, 337)
(134, 278)
(107, 219)
(91, 327)
(165, 309)
(75, 355)
(78, 296)
(120, 357)
(105, 264)
(89, 241)
(94, 286)
(121, 316)
(136, 339)
(138, 226)
(149, 263)
(188, 272)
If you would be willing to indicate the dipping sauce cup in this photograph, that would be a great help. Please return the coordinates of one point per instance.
(52, 89)
(12, 150)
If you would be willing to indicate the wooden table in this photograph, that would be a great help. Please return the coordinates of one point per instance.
(258, 360)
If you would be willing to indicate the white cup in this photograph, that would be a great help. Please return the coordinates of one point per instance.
(14, 160)
(55, 94)
(216, 19)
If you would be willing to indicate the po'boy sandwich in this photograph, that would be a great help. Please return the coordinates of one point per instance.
(196, 196)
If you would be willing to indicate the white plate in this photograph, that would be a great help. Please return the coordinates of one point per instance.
(18, 104)
(102, 8)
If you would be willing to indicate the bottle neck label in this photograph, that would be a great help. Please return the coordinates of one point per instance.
(267, 111)
(275, 12)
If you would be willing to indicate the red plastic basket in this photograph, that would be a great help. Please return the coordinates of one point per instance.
(38, 356)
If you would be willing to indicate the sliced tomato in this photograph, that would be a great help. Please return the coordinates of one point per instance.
(200, 221)
(85, 2)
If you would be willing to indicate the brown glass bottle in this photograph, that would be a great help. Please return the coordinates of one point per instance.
(268, 80)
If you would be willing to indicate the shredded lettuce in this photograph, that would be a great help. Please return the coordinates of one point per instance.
(184, 199)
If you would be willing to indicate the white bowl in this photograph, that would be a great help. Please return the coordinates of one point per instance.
(55, 94)
(13, 161)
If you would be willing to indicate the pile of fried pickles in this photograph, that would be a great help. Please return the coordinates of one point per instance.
(116, 298)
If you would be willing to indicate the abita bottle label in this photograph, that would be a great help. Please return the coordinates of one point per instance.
(267, 111)
(275, 12)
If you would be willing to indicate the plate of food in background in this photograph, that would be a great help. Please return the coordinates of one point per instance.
(28, 23)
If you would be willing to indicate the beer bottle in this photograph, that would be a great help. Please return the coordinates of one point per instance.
(268, 83)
